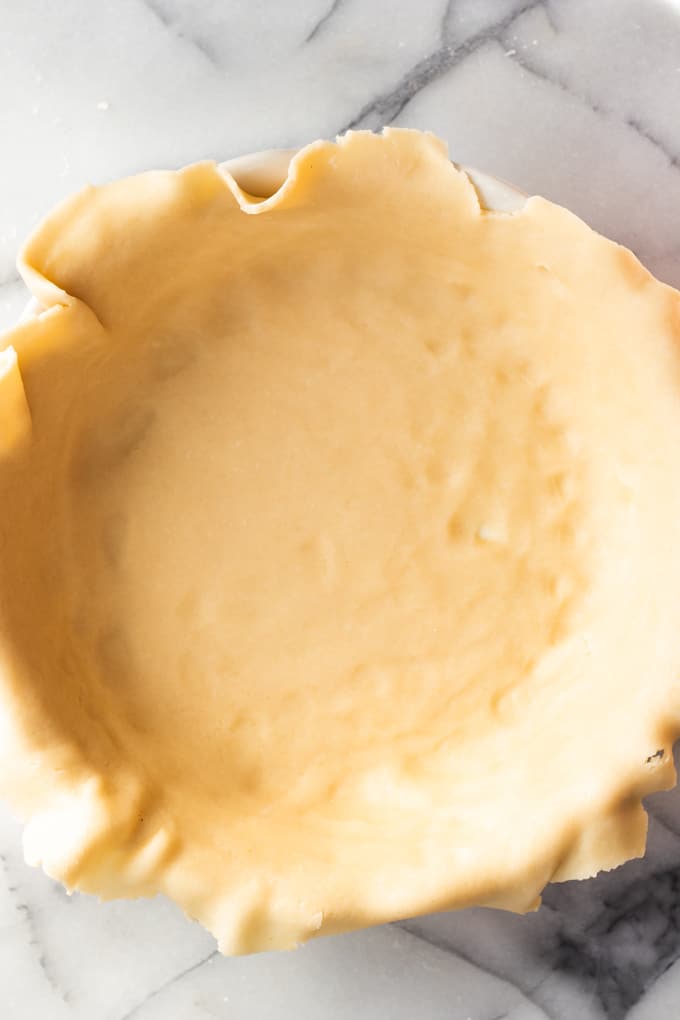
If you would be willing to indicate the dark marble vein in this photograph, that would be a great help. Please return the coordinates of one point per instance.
(34, 941)
(633, 938)
(194, 41)
(385, 108)
(10, 277)
(159, 12)
(550, 9)
(155, 992)
(659, 820)
(202, 47)
(523, 60)
(649, 136)
(444, 26)
(613, 938)
(323, 20)
(412, 928)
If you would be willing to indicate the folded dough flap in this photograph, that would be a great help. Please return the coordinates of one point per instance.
(82, 251)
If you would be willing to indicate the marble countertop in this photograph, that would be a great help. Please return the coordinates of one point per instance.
(575, 99)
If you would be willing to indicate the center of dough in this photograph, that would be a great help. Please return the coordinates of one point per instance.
(306, 543)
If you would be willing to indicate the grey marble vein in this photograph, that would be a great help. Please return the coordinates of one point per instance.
(644, 132)
(155, 992)
(385, 108)
(159, 11)
(523, 60)
(633, 938)
(34, 941)
(194, 40)
(654, 813)
(323, 21)
(417, 930)
(554, 79)
(551, 10)
(445, 31)
(537, 64)
(10, 277)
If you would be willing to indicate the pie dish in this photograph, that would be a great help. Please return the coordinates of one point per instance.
(339, 541)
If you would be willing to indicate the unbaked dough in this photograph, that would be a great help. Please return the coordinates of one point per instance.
(339, 544)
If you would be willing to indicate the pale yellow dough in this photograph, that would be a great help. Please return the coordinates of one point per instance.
(339, 544)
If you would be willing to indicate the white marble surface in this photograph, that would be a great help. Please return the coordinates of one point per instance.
(576, 99)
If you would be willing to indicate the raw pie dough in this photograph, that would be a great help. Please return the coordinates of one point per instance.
(339, 544)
